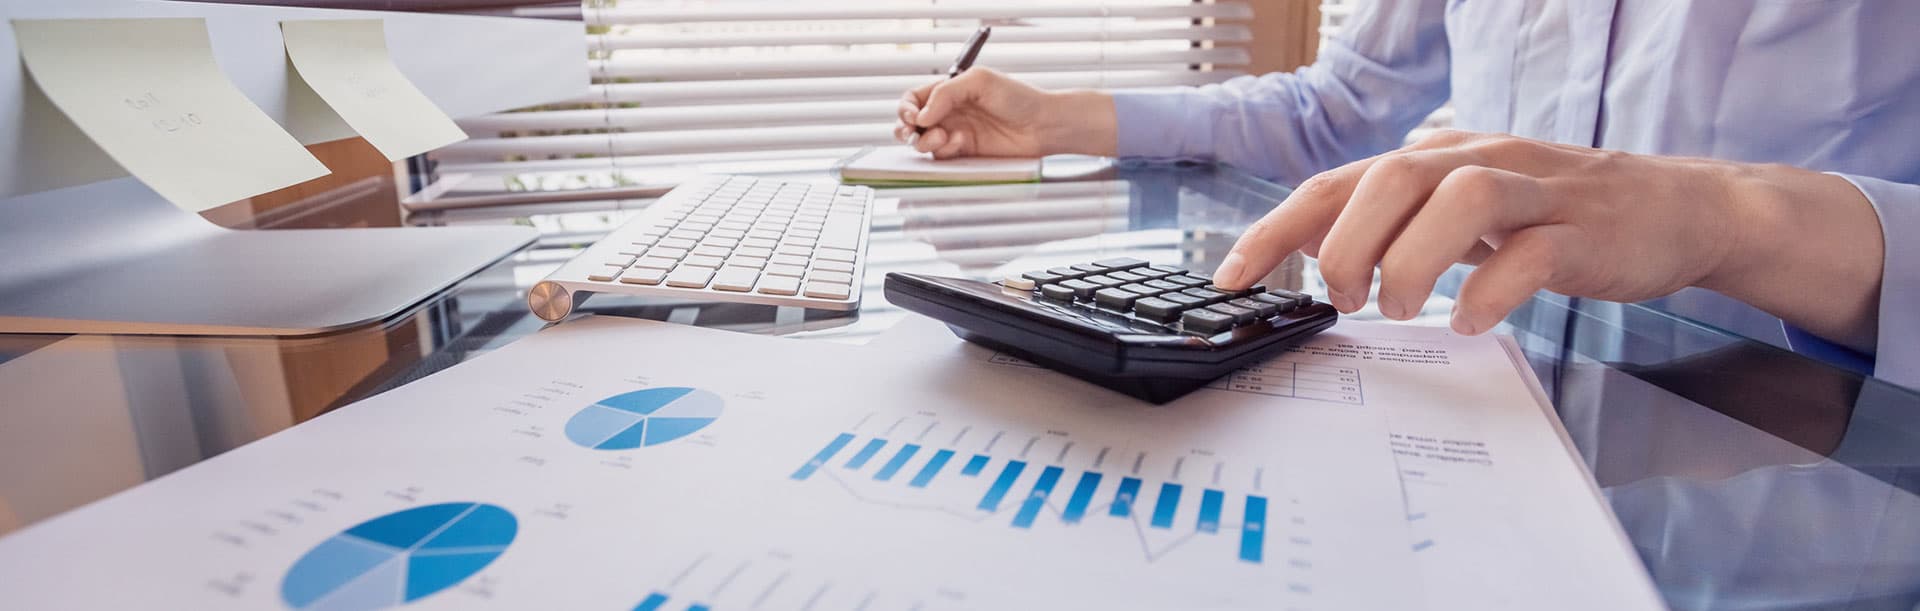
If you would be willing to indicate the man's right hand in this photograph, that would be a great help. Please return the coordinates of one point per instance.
(983, 113)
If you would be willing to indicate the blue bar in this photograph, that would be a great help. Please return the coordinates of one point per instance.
(1164, 507)
(899, 460)
(1253, 530)
(826, 453)
(1124, 498)
(1082, 495)
(974, 465)
(1030, 508)
(991, 502)
(656, 599)
(698, 607)
(866, 453)
(1210, 501)
(926, 474)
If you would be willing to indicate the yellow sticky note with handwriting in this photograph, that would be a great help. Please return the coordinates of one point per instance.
(346, 62)
(151, 95)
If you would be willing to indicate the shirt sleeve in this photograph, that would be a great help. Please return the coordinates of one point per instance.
(1372, 84)
(1897, 349)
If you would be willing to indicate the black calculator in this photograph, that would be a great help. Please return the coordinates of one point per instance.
(1156, 332)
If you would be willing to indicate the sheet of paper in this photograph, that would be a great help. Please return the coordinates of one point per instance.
(903, 164)
(610, 463)
(1502, 513)
(149, 93)
(345, 63)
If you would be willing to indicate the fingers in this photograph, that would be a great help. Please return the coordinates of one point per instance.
(1387, 196)
(945, 96)
(1300, 220)
(955, 146)
(1469, 204)
(1524, 264)
(931, 140)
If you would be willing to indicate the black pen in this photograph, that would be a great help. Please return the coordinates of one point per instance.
(965, 61)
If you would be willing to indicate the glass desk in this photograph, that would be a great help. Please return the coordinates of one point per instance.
(1747, 477)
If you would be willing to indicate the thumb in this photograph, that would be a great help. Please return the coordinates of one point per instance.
(952, 94)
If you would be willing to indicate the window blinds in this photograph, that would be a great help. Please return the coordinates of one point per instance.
(719, 79)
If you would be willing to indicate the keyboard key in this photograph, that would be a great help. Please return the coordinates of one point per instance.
(841, 231)
(1082, 290)
(656, 262)
(1058, 291)
(828, 290)
(1207, 296)
(1240, 315)
(685, 234)
(634, 250)
(675, 243)
(735, 279)
(644, 240)
(643, 275)
(759, 243)
(1126, 276)
(746, 261)
(1115, 298)
(750, 251)
(605, 273)
(1154, 308)
(795, 271)
(622, 260)
(834, 254)
(703, 261)
(663, 252)
(689, 277)
(788, 260)
(1104, 281)
(834, 277)
(1120, 263)
(719, 242)
(834, 266)
(797, 251)
(712, 251)
(794, 240)
(1261, 309)
(1206, 321)
(1041, 277)
(779, 285)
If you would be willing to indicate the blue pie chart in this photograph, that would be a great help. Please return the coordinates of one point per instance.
(400, 557)
(643, 418)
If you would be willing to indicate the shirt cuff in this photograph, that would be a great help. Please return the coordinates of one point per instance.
(1897, 347)
(1159, 123)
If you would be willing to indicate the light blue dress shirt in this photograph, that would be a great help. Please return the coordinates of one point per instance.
(1829, 85)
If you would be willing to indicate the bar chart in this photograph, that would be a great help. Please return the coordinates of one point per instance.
(1022, 493)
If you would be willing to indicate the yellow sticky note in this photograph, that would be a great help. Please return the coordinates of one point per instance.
(150, 94)
(347, 64)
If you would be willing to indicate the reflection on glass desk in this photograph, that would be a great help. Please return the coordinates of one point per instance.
(1746, 476)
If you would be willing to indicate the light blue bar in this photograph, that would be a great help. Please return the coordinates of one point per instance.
(1030, 508)
(866, 453)
(991, 502)
(1253, 529)
(653, 600)
(899, 460)
(698, 607)
(974, 465)
(821, 458)
(1082, 496)
(1164, 507)
(926, 474)
(1210, 501)
(1124, 498)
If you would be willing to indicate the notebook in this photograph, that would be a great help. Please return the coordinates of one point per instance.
(902, 166)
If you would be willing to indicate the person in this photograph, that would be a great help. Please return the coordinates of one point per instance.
(1615, 149)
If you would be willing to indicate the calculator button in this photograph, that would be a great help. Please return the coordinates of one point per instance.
(1166, 270)
(1260, 308)
(1240, 315)
(1058, 291)
(1185, 300)
(1089, 268)
(1041, 277)
(1017, 283)
(1082, 290)
(1208, 296)
(1066, 272)
(1163, 286)
(1127, 276)
(1155, 308)
(1104, 281)
(1116, 298)
(1239, 293)
(1143, 290)
(1120, 263)
(1151, 272)
(1186, 281)
(1206, 321)
(1299, 299)
(1285, 304)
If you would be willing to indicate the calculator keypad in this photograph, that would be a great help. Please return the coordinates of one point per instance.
(1161, 296)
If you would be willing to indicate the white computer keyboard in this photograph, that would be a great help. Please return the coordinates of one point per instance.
(728, 238)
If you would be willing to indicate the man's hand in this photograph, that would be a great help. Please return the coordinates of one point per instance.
(983, 113)
(1579, 221)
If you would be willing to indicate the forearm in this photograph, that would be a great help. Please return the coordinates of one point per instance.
(1079, 122)
(1808, 249)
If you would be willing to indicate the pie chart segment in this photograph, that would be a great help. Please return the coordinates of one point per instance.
(400, 557)
(644, 418)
